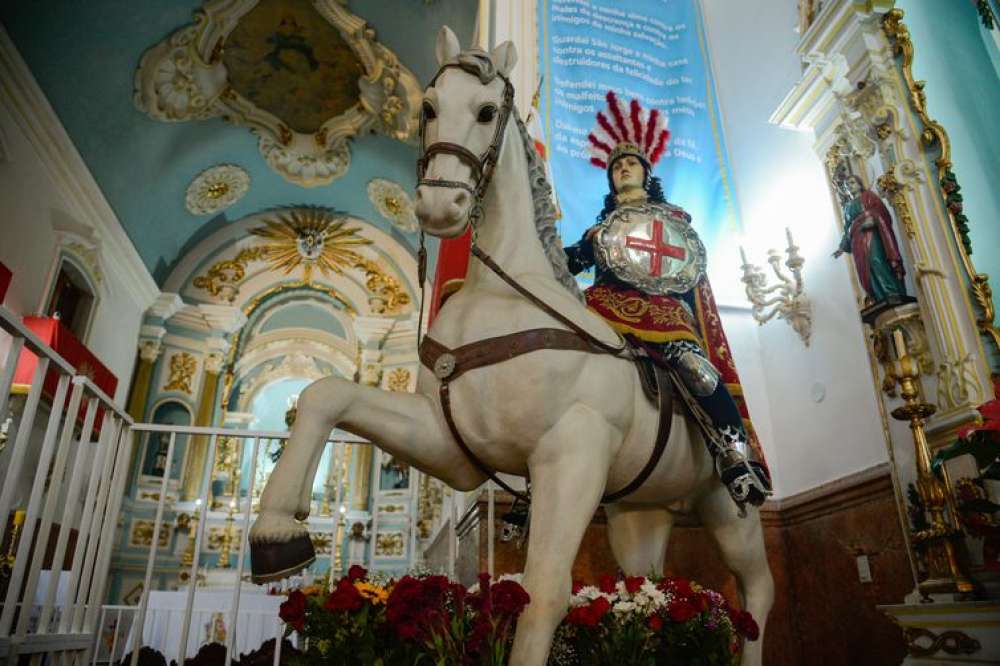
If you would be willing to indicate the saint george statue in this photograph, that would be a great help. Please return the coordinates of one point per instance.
(651, 287)
(869, 238)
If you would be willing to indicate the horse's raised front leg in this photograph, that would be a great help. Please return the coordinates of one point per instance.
(406, 425)
(568, 470)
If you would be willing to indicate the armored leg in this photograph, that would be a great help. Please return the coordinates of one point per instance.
(720, 419)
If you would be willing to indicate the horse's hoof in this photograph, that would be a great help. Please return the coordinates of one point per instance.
(274, 561)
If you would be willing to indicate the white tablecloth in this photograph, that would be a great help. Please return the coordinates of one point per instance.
(258, 621)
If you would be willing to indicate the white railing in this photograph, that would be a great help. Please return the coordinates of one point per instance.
(185, 647)
(77, 483)
(73, 483)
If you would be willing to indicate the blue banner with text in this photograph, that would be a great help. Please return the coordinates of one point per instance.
(650, 50)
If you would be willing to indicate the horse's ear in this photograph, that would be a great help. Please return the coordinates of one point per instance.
(504, 57)
(447, 45)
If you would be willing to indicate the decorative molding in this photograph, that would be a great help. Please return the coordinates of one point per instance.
(922, 642)
(393, 203)
(398, 379)
(390, 544)
(141, 533)
(70, 175)
(186, 77)
(216, 188)
(831, 497)
(182, 368)
(306, 239)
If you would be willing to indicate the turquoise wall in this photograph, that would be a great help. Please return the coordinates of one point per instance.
(956, 56)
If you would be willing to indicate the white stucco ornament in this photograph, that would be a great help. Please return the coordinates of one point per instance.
(216, 188)
(393, 203)
(306, 78)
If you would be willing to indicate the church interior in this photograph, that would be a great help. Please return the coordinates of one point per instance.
(207, 206)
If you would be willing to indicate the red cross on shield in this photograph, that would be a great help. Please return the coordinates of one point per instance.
(656, 248)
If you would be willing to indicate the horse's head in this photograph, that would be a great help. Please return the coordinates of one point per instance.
(464, 116)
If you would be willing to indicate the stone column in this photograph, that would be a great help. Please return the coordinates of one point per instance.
(195, 466)
(222, 320)
(149, 351)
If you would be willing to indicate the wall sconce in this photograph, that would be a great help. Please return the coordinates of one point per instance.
(784, 298)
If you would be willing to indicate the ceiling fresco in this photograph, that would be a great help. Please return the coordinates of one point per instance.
(285, 58)
(85, 57)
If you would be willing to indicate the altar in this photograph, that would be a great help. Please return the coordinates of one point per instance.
(210, 622)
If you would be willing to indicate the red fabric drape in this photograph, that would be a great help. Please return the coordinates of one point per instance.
(63, 342)
(5, 276)
(452, 265)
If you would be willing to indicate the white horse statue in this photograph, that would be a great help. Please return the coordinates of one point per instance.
(577, 423)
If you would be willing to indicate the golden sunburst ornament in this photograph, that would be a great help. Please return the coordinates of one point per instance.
(310, 237)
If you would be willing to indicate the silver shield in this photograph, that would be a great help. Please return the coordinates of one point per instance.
(653, 247)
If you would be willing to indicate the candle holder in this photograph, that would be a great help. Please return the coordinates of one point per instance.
(938, 544)
(226, 542)
(191, 523)
(7, 559)
(784, 299)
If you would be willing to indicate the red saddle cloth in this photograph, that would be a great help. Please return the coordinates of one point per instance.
(63, 342)
(660, 319)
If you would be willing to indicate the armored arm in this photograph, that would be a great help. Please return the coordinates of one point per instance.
(580, 255)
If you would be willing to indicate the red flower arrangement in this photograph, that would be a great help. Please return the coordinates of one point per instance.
(635, 620)
(632, 620)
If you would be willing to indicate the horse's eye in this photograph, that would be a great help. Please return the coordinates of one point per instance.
(487, 113)
(429, 112)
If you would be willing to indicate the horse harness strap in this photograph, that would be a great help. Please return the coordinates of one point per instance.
(449, 364)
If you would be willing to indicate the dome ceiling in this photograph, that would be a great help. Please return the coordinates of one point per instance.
(281, 56)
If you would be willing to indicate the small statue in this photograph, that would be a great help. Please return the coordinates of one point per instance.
(869, 238)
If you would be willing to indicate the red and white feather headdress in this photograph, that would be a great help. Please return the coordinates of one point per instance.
(640, 134)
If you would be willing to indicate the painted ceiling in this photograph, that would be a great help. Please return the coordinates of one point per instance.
(85, 55)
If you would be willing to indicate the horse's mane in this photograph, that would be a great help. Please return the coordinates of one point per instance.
(478, 63)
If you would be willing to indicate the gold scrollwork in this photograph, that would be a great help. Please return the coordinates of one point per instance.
(182, 367)
(894, 191)
(228, 272)
(390, 544)
(950, 642)
(142, 534)
(934, 132)
(398, 380)
(321, 543)
(308, 238)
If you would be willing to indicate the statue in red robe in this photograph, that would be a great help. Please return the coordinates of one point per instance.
(869, 239)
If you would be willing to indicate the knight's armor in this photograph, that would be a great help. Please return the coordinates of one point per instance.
(703, 390)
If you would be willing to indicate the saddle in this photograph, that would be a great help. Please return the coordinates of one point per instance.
(448, 364)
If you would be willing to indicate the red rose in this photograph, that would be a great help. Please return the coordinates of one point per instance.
(681, 611)
(600, 606)
(606, 583)
(344, 598)
(745, 625)
(633, 583)
(293, 611)
(655, 623)
(356, 573)
(509, 598)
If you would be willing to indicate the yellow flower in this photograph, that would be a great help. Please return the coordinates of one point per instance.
(375, 594)
(313, 590)
(323, 646)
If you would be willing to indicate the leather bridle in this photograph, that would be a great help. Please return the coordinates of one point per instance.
(482, 166)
